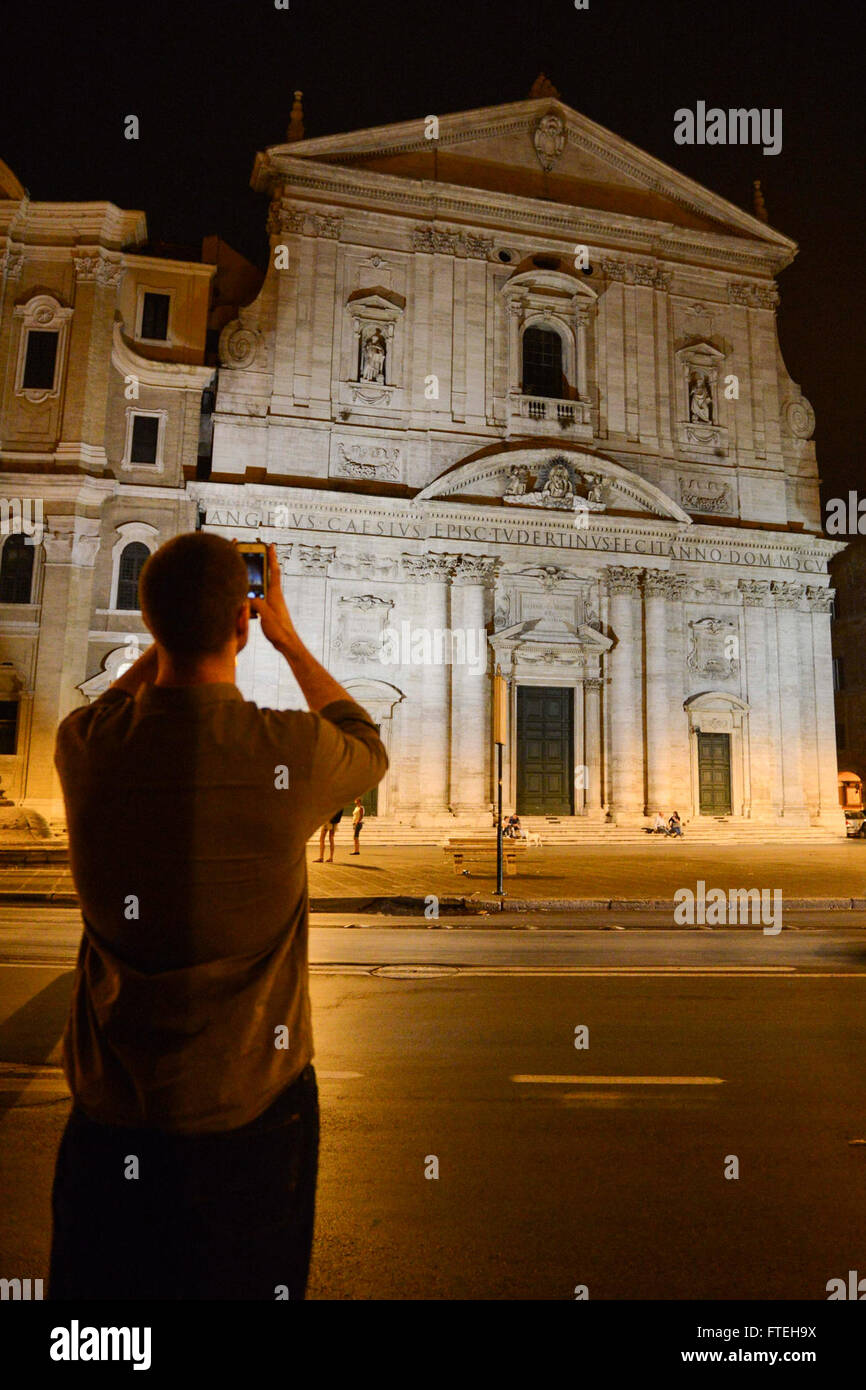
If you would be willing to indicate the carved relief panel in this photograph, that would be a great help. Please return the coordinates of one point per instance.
(360, 621)
(713, 648)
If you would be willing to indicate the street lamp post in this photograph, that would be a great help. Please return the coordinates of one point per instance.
(500, 723)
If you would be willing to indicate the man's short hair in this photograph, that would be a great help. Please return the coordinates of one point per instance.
(190, 592)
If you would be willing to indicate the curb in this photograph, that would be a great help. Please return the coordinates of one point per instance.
(63, 899)
(402, 905)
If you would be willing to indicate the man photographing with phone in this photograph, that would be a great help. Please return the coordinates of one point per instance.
(188, 1166)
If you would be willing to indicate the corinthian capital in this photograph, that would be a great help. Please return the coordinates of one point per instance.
(755, 592)
(282, 220)
(315, 559)
(660, 584)
(328, 226)
(98, 269)
(432, 566)
(786, 594)
(475, 569)
(819, 599)
(11, 262)
(623, 580)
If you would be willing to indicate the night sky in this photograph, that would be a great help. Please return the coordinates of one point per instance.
(212, 83)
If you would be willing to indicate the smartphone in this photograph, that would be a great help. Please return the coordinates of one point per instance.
(255, 556)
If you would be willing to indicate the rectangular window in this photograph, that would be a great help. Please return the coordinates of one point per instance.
(8, 725)
(145, 439)
(40, 361)
(838, 673)
(841, 735)
(154, 316)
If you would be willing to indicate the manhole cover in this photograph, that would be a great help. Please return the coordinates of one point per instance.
(415, 972)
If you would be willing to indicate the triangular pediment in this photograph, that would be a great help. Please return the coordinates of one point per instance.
(555, 633)
(560, 480)
(537, 149)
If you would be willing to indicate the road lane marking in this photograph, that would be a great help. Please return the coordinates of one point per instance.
(634, 972)
(620, 1080)
(721, 972)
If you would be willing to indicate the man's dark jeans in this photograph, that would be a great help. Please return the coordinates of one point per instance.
(210, 1216)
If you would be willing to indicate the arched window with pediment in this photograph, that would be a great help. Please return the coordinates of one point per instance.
(548, 314)
(16, 570)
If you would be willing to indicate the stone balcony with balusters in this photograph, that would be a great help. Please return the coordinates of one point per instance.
(548, 414)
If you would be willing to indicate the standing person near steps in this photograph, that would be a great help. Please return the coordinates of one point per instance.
(357, 823)
(329, 829)
(187, 1169)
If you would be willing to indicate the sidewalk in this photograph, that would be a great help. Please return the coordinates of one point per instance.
(569, 878)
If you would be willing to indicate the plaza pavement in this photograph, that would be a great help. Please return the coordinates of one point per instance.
(573, 877)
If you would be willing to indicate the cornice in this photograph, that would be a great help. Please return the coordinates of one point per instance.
(68, 224)
(72, 490)
(174, 375)
(511, 214)
(137, 262)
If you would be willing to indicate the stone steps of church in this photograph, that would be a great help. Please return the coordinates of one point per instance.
(580, 831)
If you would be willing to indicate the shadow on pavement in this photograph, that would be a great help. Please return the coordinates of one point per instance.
(29, 1036)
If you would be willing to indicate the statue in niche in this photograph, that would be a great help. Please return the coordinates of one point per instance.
(373, 358)
(559, 485)
(700, 400)
(516, 485)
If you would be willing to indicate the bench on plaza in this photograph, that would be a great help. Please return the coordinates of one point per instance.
(480, 851)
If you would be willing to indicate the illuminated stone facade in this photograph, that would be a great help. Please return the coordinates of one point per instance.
(514, 395)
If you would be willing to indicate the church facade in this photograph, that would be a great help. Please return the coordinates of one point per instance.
(512, 396)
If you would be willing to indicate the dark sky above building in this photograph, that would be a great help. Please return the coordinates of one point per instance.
(212, 80)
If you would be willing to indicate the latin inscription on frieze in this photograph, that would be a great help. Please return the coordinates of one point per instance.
(495, 533)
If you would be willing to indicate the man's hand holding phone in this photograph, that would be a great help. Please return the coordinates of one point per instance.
(276, 623)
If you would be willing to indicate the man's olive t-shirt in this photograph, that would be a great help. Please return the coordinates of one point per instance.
(189, 809)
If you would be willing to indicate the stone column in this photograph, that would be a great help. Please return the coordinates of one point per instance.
(70, 544)
(258, 670)
(657, 590)
(431, 678)
(515, 366)
(830, 813)
(762, 754)
(581, 323)
(592, 747)
(471, 687)
(625, 708)
(579, 749)
(788, 597)
(679, 736)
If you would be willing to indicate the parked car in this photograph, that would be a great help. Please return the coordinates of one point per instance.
(855, 823)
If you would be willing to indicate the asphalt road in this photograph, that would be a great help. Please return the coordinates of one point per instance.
(601, 1166)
